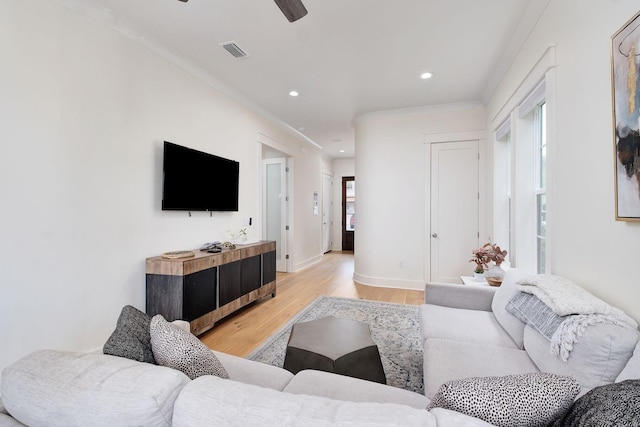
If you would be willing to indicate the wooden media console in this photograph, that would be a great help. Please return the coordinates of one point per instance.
(209, 286)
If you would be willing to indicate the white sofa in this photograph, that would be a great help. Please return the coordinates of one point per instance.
(467, 332)
(57, 388)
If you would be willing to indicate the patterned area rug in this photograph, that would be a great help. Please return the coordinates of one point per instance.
(394, 328)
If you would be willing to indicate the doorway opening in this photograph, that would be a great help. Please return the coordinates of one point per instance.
(327, 212)
(348, 212)
(275, 198)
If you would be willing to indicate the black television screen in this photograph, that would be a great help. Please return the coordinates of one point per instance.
(197, 181)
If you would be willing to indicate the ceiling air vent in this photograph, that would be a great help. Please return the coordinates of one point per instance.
(234, 50)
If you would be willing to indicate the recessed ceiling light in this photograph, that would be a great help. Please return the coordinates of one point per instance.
(293, 93)
(425, 76)
(342, 151)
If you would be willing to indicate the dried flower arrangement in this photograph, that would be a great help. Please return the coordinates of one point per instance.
(485, 254)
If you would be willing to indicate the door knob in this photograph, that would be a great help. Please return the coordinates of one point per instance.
(434, 235)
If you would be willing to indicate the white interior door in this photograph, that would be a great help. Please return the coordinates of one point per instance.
(454, 209)
(275, 207)
(327, 212)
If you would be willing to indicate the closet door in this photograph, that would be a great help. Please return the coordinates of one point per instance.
(454, 209)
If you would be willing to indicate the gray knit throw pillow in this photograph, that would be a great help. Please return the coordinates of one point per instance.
(535, 399)
(606, 406)
(131, 337)
(178, 349)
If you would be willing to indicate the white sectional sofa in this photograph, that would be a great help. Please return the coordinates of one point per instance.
(470, 332)
(476, 353)
(58, 388)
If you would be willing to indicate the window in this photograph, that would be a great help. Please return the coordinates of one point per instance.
(540, 191)
(503, 228)
(520, 207)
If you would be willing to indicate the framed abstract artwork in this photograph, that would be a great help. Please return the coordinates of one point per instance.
(625, 71)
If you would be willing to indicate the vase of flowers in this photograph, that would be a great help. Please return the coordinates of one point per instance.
(488, 258)
(495, 274)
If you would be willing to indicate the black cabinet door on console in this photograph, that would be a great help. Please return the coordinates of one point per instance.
(251, 274)
(268, 267)
(230, 282)
(200, 293)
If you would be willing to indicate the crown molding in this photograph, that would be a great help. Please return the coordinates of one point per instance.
(106, 16)
(403, 112)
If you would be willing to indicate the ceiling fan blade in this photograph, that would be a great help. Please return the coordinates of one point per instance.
(292, 9)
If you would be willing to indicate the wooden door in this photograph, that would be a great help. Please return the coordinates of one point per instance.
(348, 212)
(454, 209)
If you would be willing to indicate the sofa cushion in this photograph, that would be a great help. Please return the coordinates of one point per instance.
(131, 337)
(632, 368)
(597, 357)
(510, 323)
(340, 387)
(459, 296)
(458, 324)
(56, 388)
(514, 400)
(251, 372)
(226, 402)
(446, 360)
(609, 405)
(9, 421)
(178, 349)
(449, 418)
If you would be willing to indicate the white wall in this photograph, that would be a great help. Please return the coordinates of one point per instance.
(391, 179)
(307, 245)
(84, 111)
(587, 245)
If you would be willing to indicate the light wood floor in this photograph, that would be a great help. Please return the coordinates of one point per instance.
(241, 332)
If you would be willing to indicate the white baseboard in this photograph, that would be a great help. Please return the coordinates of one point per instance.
(307, 263)
(383, 282)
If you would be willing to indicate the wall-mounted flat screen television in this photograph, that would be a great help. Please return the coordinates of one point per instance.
(197, 181)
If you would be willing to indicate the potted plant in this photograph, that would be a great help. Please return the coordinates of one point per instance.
(481, 259)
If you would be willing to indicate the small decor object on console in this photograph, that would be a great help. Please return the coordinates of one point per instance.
(178, 254)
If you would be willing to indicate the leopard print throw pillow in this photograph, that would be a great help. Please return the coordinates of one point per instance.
(535, 399)
(178, 349)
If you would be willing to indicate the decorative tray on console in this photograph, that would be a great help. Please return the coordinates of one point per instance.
(178, 254)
